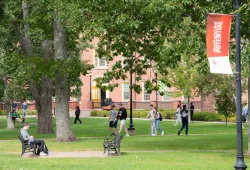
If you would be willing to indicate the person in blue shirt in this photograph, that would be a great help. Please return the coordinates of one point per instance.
(24, 107)
(245, 112)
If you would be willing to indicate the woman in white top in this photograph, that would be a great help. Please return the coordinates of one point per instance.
(178, 115)
(152, 119)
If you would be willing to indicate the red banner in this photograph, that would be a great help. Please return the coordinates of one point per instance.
(217, 41)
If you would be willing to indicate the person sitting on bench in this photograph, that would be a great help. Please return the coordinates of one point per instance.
(15, 116)
(31, 140)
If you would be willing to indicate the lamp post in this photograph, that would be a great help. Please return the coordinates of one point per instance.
(156, 84)
(240, 164)
(90, 86)
(131, 126)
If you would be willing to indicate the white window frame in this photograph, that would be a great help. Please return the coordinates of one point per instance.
(166, 89)
(184, 98)
(97, 60)
(143, 90)
(107, 94)
(125, 100)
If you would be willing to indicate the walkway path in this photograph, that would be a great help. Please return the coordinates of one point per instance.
(88, 154)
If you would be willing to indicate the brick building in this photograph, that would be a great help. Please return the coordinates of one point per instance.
(92, 96)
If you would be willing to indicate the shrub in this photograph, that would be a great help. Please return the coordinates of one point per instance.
(93, 113)
(20, 112)
(169, 114)
(2, 112)
(103, 113)
(28, 112)
(207, 116)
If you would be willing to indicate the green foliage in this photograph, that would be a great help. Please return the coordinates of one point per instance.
(207, 116)
(138, 31)
(170, 114)
(20, 112)
(3, 112)
(225, 95)
(100, 113)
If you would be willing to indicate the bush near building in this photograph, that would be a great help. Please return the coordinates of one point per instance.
(20, 112)
(169, 114)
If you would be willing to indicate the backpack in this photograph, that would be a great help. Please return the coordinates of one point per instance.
(160, 117)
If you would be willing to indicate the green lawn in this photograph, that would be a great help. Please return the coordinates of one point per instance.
(208, 146)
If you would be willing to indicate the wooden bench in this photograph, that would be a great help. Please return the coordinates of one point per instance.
(113, 144)
(27, 147)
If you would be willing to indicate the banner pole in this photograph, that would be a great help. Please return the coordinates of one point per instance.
(240, 164)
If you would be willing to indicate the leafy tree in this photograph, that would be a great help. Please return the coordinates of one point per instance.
(52, 56)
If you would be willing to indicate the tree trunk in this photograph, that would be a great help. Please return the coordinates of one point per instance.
(226, 120)
(63, 129)
(41, 91)
(7, 106)
(202, 101)
(248, 151)
(189, 114)
(44, 107)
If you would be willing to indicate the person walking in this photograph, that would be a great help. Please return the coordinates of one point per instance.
(14, 105)
(77, 113)
(157, 122)
(192, 111)
(245, 112)
(178, 115)
(151, 115)
(184, 116)
(24, 107)
(113, 121)
(122, 115)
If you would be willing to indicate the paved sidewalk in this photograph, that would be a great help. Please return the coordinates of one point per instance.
(84, 113)
(83, 154)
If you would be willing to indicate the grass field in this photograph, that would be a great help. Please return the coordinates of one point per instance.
(209, 146)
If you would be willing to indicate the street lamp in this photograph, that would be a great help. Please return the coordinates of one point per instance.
(156, 84)
(90, 86)
(131, 126)
(240, 164)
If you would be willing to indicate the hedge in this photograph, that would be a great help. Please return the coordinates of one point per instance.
(169, 114)
(20, 112)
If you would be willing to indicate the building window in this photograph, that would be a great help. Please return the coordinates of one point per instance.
(100, 62)
(185, 98)
(125, 92)
(146, 96)
(166, 95)
(166, 90)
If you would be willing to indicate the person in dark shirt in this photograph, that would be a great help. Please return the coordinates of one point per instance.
(14, 105)
(77, 113)
(192, 110)
(122, 115)
(184, 117)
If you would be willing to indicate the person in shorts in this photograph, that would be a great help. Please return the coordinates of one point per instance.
(113, 120)
(122, 115)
